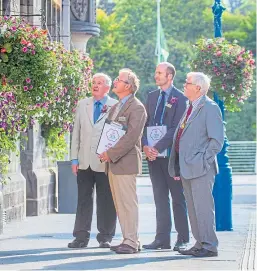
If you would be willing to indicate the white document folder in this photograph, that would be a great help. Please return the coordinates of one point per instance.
(154, 134)
(111, 134)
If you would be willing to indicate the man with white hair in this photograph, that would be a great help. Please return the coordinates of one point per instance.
(198, 139)
(91, 114)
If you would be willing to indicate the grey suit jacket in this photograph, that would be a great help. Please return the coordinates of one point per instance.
(200, 142)
(86, 134)
(171, 117)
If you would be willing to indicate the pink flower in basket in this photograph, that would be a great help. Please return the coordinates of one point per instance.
(173, 100)
(104, 109)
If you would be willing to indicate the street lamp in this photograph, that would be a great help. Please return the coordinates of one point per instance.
(222, 191)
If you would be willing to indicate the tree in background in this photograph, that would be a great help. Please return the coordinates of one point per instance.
(128, 39)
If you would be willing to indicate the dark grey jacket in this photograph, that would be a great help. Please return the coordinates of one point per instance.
(171, 118)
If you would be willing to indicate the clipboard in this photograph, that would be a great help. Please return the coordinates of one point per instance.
(111, 134)
(155, 134)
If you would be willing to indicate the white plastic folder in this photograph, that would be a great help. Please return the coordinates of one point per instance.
(111, 134)
(154, 134)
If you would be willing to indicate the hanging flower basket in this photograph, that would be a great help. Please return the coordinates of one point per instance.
(230, 68)
(28, 63)
(39, 80)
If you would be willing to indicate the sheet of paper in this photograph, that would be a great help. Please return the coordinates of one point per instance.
(111, 134)
(154, 134)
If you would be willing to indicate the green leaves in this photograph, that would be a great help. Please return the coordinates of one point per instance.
(8, 47)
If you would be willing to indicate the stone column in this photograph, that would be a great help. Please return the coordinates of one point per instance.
(83, 23)
(40, 180)
(14, 191)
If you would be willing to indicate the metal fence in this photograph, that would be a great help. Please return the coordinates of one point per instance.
(242, 158)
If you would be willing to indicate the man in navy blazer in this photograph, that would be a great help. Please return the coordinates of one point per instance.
(165, 106)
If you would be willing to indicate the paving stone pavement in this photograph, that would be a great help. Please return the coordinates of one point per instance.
(40, 243)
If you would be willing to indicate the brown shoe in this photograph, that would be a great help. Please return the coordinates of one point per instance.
(114, 248)
(126, 249)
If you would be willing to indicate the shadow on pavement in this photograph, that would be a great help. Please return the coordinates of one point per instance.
(111, 263)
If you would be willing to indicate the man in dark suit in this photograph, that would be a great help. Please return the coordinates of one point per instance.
(165, 106)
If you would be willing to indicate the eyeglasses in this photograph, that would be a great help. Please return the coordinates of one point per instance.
(187, 83)
(117, 79)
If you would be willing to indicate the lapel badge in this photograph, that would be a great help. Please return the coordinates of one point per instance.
(122, 119)
(168, 105)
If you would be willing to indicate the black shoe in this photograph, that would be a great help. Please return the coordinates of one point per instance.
(76, 243)
(180, 244)
(188, 251)
(103, 244)
(156, 244)
(204, 253)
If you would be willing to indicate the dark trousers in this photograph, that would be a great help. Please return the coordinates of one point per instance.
(106, 214)
(163, 184)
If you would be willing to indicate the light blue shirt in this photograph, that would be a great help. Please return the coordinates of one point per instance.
(102, 103)
(123, 100)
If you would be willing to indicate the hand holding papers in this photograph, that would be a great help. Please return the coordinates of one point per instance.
(154, 134)
(111, 134)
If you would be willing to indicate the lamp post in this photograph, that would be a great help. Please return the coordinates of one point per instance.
(158, 2)
(222, 191)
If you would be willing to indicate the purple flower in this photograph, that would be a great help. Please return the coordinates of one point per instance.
(173, 100)
(24, 49)
(104, 109)
(28, 80)
(33, 52)
(30, 87)
(25, 88)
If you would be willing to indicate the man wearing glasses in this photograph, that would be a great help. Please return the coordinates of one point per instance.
(198, 139)
(124, 160)
(165, 107)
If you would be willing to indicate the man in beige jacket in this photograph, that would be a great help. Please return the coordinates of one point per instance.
(90, 117)
(125, 159)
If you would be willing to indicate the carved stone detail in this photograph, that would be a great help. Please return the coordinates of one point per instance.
(79, 9)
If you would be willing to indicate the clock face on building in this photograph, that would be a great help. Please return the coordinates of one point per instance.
(79, 9)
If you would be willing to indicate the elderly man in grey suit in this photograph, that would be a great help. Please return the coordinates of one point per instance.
(198, 139)
(91, 114)
(165, 107)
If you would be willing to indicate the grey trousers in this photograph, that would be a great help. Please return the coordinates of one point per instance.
(200, 205)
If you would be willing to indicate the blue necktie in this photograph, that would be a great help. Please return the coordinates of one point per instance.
(159, 111)
(97, 111)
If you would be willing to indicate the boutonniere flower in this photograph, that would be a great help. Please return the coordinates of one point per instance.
(104, 109)
(172, 101)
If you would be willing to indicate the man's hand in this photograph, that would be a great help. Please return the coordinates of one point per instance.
(75, 169)
(176, 178)
(150, 152)
(104, 157)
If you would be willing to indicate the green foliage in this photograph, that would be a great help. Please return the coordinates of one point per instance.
(241, 126)
(184, 22)
(55, 142)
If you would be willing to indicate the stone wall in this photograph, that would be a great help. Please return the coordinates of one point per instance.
(14, 200)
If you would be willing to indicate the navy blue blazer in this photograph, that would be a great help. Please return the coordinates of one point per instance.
(171, 118)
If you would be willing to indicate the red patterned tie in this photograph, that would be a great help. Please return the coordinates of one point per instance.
(181, 128)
